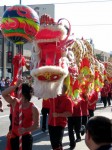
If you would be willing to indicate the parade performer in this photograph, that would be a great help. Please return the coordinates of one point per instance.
(15, 62)
(21, 28)
(85, 112)
(45, 112)
(60, 109)
(30, 116)
(49, 64)
(49, 60)
(92, 100)
(104, 93)
(74, 123)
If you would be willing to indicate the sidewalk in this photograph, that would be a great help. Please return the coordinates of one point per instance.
(44, 144)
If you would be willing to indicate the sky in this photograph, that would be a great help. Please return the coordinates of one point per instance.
(90, 19)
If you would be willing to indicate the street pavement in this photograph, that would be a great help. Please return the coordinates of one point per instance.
(44, 143)
(41, 139)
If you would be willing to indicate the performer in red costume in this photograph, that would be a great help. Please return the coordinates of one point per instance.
(45, 112)
(85, 112)
(93, 98)
(60, 109)
(74, 123)
(104, 93)
(30, 116)
(109, 94)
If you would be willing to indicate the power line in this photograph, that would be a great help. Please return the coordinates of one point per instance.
(85, 2)
(92, 25)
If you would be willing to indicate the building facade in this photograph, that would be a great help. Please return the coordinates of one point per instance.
(104, 55)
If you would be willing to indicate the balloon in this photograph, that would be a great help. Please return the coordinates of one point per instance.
(20, 24)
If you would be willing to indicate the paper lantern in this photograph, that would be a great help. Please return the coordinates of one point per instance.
(20, 24)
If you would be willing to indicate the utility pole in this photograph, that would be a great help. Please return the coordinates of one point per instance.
(20, 2)
(4, 53)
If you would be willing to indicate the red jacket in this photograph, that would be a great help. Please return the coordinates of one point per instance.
(46, 103)
(77, 108)
(105, 90)
(60, 104)
(84, 107)
(93, 98)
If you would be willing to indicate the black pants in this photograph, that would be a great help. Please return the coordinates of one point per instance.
(2, 89)
(104, 100)
(74, 123)
(56, 134)
(45, 112)
(84, 120)
(108, 99)
(27, 141)
(91, 113)
(10, 118)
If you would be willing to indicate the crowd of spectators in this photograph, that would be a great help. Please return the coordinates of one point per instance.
(4, 83)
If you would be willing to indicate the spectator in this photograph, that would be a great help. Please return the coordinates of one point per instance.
(45, 112)
(2, 84)
(60, 109)
(30, 115)
(99, 133)
(7, 82)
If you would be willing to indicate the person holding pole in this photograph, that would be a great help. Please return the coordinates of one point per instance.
(45, 112)
(104, 93)
(60, 109)
(92, 100)
(30, 116)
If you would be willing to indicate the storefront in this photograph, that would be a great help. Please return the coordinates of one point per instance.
(6, 55)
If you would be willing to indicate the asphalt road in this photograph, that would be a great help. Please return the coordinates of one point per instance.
(41, 140)
(44, 143)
